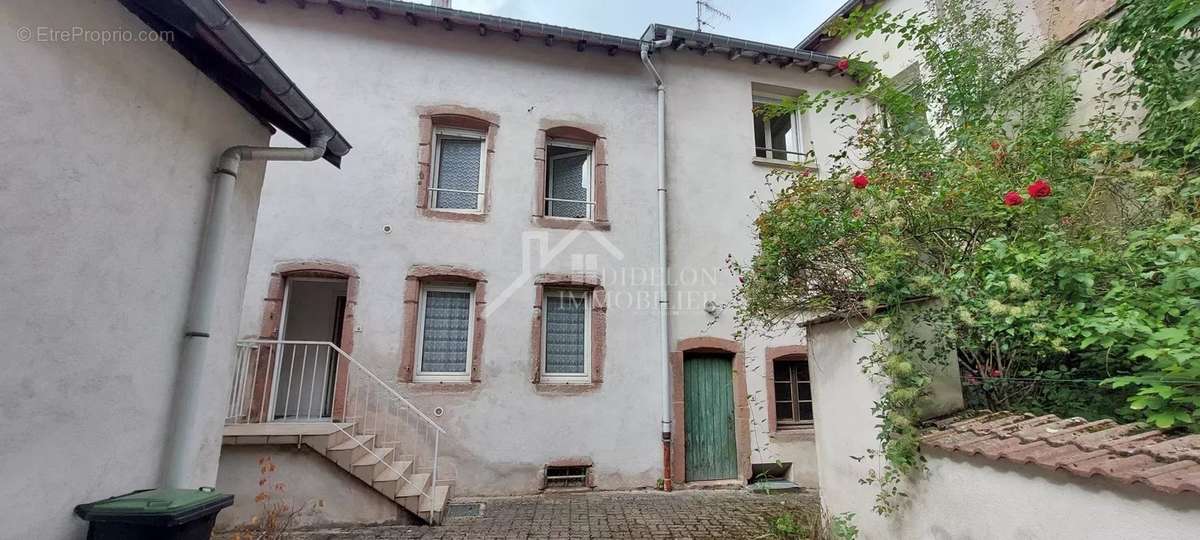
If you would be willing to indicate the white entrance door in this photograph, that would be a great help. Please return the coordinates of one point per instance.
(304, 375)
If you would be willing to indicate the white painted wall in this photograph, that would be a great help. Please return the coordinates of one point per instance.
(330, 495)
(959, 496)
(107, 155)
(714, 194)
(370, 77)
(976, 498)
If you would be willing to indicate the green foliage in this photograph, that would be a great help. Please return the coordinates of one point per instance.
(842, 526)
(1163, 38)
(951, 247)
(789, 526)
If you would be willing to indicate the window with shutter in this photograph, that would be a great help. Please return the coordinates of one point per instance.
(458, 164)
(565, 335)
(569, 180)
(445, 333)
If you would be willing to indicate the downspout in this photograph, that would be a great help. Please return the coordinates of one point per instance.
(188, 421)
(663, 315)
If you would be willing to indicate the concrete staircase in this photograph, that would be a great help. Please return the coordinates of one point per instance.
(395, 476)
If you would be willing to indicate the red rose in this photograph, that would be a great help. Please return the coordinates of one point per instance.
(860, 181)
(1012, 198)
(843, 64)
(1038, 189)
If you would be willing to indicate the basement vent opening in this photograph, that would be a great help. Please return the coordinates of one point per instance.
(566, 477)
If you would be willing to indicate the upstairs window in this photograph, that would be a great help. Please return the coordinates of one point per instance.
(569, 188)
(793, 395)
(459, 157)
(445, 332)
(566, 336)
(909, 117)
(776, 137)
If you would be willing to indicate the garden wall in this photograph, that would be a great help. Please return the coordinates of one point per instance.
(964, 496)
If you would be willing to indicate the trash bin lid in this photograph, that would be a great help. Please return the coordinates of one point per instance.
(156, 506)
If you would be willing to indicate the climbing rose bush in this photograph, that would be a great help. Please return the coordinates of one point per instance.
(966, 218)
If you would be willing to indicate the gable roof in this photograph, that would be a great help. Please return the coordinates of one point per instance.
(820, 34)
(466, 23)
(209, 37)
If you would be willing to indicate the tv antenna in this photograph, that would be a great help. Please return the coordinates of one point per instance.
(705, 9)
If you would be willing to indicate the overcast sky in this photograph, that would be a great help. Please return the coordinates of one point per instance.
(778, 22)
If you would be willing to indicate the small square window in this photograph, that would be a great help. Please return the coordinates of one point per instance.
(459, 157)
(793, 395)
(566, 336)
(569, 189)
(776, 137)
(444, 333)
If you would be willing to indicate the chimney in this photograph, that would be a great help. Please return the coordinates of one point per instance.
(441, 3)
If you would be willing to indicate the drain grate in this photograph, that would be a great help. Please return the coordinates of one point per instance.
(464, 510)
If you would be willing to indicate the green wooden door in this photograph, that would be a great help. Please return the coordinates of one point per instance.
(710, 447)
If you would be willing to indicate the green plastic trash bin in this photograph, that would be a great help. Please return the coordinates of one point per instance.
(168, 514)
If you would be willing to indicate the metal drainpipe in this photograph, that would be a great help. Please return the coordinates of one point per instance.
(189, 422)
(663, 316)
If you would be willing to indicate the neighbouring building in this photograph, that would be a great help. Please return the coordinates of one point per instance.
(472, 307)
(993, 475)
(110, 147)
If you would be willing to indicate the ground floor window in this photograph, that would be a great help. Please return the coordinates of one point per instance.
(566, 335)
(793, 395)
(445, 328)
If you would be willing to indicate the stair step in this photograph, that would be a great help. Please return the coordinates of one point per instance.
(369, 459)
(437, 503)
(393, 474)
(418, 484)
(349, 452)
(353, 443)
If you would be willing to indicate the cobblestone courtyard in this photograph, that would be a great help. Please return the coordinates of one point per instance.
(642, 514)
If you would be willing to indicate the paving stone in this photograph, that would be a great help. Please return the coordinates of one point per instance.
(726, 514)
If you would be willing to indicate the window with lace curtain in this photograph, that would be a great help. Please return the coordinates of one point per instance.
(566, 336)
(445, 329)
(458, 164)
(569, 192)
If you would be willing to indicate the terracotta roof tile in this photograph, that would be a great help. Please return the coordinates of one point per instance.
(1127, 453)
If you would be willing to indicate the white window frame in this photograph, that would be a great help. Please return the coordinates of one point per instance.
(586, 376)
(440, 133)
(583, 148)
(420, 375)
(797, 132)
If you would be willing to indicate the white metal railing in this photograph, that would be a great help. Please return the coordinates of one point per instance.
(318, 382)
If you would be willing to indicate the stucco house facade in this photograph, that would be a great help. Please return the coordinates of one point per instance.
(498, 255)
(118, 114)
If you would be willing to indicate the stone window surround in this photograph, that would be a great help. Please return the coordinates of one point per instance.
(741, 405)
(458, 117)
(598, 320)
(784, 353)
(273, 311)
(573, 132)
(423, 274)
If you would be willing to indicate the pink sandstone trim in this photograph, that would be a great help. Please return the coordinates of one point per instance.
(419, 274)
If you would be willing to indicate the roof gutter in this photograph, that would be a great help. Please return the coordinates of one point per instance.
(663, 313)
